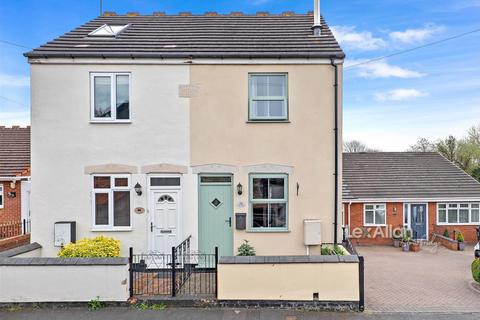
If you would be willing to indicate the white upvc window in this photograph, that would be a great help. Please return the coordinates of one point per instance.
(458, 213)
(110, 97)
(375, 215)
(268, 97)
(1, 196)
(111, 202)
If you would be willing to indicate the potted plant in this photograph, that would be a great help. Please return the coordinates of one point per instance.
(406, 239)
(414, 246)
(461, 241)
(397, 239)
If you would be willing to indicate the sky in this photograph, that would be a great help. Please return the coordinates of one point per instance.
(388, 104)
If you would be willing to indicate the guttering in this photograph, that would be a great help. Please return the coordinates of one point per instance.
(335, 129)
(413, 200)
(16, 178)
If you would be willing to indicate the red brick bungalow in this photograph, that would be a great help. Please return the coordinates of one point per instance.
(423, 192)
(14, 174)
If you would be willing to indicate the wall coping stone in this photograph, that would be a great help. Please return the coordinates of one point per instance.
(288, 259)
(445, 238)
(20, 250)
(41, 261)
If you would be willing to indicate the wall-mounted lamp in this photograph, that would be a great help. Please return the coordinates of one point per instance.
(138, 189)
(395, 209)
(13, 184)
(239, 189)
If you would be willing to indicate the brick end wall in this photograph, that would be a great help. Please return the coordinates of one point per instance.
(395, 219)
(12, 207)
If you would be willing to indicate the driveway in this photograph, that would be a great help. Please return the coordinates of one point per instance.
(433, 280)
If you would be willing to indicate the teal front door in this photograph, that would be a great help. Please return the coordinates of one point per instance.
(215, 214)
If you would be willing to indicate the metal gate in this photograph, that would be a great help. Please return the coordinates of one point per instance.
(178, 274)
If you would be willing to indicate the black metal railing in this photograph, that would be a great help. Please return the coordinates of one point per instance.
(179, 273)
(14, 229)
(347, 243)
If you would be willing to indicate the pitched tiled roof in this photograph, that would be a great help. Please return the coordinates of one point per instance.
(14, 151)
(388, 175)
(198, 36)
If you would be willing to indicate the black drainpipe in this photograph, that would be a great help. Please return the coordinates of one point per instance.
(335, 219)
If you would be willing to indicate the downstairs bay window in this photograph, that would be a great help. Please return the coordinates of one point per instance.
(458, 213)
(268, 202)
(111, 202)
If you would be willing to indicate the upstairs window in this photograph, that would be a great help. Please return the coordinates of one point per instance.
(108, 30)
(111, 202)
(110, 97)
(268, 95)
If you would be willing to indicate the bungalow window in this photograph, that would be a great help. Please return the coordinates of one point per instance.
(111, 202)
(458, 213)
(1, 196)
(268, 97)
(375, 215)
(269, 201)
(110, 97)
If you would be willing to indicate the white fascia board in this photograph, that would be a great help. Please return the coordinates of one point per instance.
(141, 61)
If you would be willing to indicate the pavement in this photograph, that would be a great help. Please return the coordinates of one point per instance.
(435, 280)
(214, 314)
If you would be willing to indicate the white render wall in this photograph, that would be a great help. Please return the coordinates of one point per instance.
(60, 283)
(64, 142)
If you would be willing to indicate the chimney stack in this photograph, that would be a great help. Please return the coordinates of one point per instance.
(317, 24)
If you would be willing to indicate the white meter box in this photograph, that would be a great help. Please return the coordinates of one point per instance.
(64, 232)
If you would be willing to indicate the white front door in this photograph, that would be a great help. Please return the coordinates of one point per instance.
(164, 220)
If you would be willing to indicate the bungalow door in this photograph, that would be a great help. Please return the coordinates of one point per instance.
(418, 221)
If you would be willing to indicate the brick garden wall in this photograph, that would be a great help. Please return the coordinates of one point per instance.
(12, 208)
(14, 242)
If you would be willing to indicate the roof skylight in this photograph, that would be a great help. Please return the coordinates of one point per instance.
(108, 30)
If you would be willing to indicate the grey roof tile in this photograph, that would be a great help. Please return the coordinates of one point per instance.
(413, 175)
(198, 36)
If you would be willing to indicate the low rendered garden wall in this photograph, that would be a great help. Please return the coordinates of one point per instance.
(336, 281)
(63, 279)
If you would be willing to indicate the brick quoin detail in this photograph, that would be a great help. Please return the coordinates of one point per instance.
(12, 207)
(395, 219)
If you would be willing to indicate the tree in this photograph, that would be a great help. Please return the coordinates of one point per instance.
(422, 145)
(448, 148)
(356, 146)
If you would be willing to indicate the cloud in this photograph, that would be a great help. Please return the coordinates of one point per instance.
(399, 95)
(412, 36)
(381, 69)
(357, 40)
(21, 118)
(7, 80)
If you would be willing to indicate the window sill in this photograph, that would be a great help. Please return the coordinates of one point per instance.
(458, 224)
(268, 121)
(127, 229)
(111, 121)
(267, 231)
(374, 225)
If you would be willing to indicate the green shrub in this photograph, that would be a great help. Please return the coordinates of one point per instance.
(446, 234)
(99, 247)
(246, 250)
(326, 251)
(476, 270)
(460, 237)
